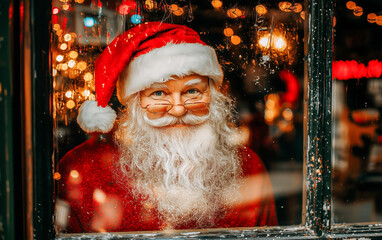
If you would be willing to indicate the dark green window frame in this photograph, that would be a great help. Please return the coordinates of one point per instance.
(33, 27)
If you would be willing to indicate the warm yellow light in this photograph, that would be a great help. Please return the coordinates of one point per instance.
(54, 72)
(69, 94)
(73, 54)
(71, 63)
(179, 12)
(234, 13)
(173, 7)
(297, 7)
(351, 5)
(270, 103)
(64, 46)
(279, 43)
(70, 104)
(80, 1)
(302, 14)
(261, 10)
(371, 17)
(86, 93)
(150, 4)
(59, 58)
(228, 32)
(217, 3)
(358, 11)
(235, 39)
(81, 65)
(379, 20)
(59, 32)
(264, 41)
(56, 26)
(88, 77)
(287, 114)
(269, 115)
(64, 66)
(65, 6)
(285, 6)
(67, 37)
(56, 176)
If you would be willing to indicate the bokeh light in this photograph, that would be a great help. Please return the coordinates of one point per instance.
(89, 22)
(228, 32)
(136, 19)
(235, 40)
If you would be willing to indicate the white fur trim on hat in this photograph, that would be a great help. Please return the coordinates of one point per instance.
(160, 64)
(94, 118)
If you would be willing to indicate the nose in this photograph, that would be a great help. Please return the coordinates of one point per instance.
(177, 109)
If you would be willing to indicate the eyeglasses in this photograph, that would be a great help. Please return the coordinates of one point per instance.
(166, 106)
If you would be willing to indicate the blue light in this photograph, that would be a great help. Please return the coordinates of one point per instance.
(89, 21)
(136, 19)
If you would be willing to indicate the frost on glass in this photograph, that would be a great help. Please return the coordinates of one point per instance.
(357, 109)
(259, 46)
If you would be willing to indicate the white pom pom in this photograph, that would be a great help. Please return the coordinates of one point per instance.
(93, 118)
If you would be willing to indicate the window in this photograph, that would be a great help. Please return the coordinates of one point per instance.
(307, 162)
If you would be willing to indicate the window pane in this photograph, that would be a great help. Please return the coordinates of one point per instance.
(181, 154)
(357, 105)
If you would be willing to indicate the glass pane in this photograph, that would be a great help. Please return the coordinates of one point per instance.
(357, 107)
(181, 154)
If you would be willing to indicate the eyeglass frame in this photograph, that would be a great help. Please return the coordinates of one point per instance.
(184, 104)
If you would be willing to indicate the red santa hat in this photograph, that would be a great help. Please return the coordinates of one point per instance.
(148, 53)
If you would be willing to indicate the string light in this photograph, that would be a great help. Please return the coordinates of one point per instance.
(228, 32)
(69, 94)
(67, 37)
(81, 65)
(59, 58)
(136, 19)
(65, 6)
(179, 12)
(358, 11)
(63, 46)
(150, 4)
(73, 54)
(234, 13)
(235, 40)
(56, 26)
(70, 104)
(217, 3)
(261, 10)
(64, 66)
(351, 5)
(86, 93)
(71, 63)
(279, 43)
(88, 77)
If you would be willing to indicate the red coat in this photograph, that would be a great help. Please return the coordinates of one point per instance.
(98, 200)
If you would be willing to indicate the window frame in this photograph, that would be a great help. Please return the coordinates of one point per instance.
(317, 217)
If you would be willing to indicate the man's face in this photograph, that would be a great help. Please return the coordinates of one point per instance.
(178, 97)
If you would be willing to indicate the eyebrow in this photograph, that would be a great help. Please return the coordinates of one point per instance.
(158, 86)
(193, 82)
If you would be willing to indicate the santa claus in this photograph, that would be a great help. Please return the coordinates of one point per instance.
(169, 162)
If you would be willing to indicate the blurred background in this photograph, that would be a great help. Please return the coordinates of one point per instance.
(357, 109)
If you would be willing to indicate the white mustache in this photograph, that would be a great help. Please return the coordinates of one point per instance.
(169, 120)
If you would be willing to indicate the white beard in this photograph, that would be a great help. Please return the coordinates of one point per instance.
(190, 174)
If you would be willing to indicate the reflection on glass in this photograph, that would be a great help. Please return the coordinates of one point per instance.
(223, 163)
(357, 109)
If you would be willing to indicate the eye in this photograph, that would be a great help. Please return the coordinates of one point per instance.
(192, 91)
(158, 94)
